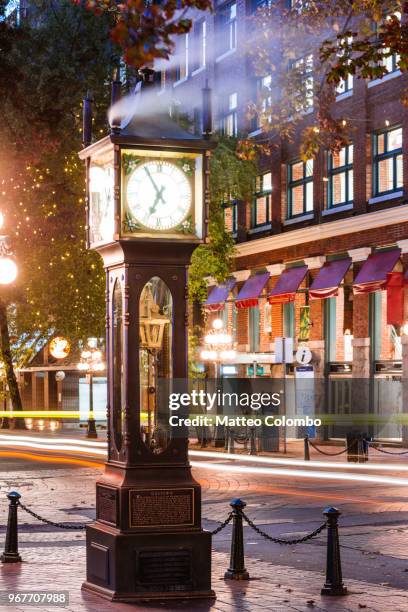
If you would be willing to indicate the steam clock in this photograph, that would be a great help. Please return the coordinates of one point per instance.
(147, 202)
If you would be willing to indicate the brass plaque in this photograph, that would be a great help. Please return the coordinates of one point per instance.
(161, 507)
(106, 505)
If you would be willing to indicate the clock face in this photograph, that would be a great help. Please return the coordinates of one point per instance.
(159, 195)
(101, 204)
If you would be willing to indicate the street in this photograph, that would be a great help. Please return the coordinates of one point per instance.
(373, 526)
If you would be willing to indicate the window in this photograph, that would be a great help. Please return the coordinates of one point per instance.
(387, 161)
(226, 28)
(300, 188)
(199, 44)
(231, 217)
(263, 89)
(302, 69)
(346, 84)
(254, 329)
(182, 68)
(391, 62)
(340, 177)
(228, 119)
(289, 320)
(256, 4)
(261, 210)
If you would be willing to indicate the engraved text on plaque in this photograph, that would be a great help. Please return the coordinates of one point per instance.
(161, 507)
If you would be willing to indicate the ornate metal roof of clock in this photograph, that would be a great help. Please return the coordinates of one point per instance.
(159, 128)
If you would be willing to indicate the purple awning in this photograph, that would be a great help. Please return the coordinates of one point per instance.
(328, 279)
(373, 274)
(218, 296)
(251, 290)
(287, 285)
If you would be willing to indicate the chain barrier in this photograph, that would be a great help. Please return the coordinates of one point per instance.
(328, 454)
(48, 522)
(265, 535)
(382, 450)
(224, 524)
(244, 439)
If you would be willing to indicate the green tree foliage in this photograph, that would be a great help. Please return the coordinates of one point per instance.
(145, 31)
(316, 46)
(53, 58)
(232, 178)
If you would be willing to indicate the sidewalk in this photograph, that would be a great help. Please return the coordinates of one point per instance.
(58, 563)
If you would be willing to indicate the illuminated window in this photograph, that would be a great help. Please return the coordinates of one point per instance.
(261, 209)
(231, 216)
(229, 119)
(387, 161)
(300, 188)
(340, 177)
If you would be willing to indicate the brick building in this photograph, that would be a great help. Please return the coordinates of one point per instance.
(342, 218)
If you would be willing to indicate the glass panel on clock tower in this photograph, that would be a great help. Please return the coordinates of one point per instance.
(101, 201)
(117, 314)
(155, 355)
(161, 193)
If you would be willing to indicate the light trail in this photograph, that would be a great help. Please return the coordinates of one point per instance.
(54, 440)
(300, 462)
(51, 459)
(54, 447)
(310, 469)
(243, 469)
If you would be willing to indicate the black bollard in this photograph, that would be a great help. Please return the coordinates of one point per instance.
(307, 450)
(203, 437)
(252, 443)
(334, 580)
(236, 570)
(10, 554)
(231, 441)
(226, 438)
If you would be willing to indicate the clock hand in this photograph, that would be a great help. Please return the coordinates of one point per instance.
(159, 192)
(159, 196)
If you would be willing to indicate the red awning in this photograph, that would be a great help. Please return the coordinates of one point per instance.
(395, 298)
(373, 274)
(328, 279)
(251, 290)
(287, 285)
(218, 296)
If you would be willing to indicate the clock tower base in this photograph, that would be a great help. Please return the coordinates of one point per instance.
(149, 566)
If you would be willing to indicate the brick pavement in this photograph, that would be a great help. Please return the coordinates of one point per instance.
(51, 565)
(374, 536)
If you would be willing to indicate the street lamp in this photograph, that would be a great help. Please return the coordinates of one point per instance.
(218, 349)
(8, 274)
(218, 346)
(91, 362)
(152, 326)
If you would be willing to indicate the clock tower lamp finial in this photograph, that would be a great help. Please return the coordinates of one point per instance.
(87, 119)
(207, 112)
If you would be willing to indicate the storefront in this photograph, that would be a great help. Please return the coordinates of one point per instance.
(348, 308)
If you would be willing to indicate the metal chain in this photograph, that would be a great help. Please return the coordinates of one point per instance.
(328, 454)
(242, 440)
(224, 524)
(278, 540)
(381, 450)
(48, 522)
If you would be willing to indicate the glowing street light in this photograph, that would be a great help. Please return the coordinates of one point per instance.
(218, 348)
(218, 344)
(91, 362)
